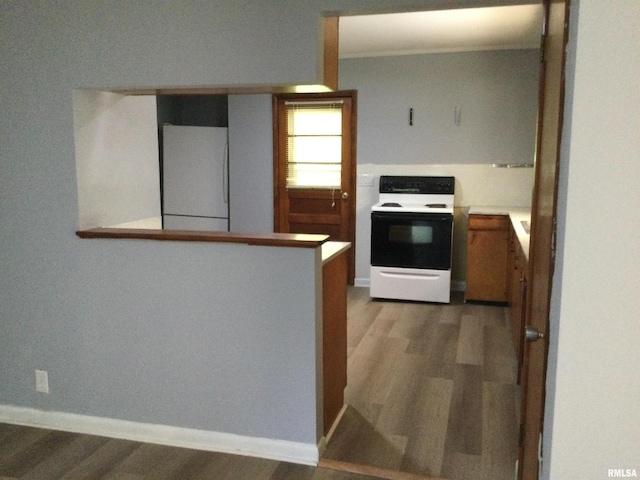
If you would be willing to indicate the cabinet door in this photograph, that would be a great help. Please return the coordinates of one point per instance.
(517, 296)
(487, 248)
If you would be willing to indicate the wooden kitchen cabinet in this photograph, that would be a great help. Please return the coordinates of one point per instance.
(487, 256)
(334, 337)
(517, 295)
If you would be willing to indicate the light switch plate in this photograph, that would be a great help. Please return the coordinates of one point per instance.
(365, 180)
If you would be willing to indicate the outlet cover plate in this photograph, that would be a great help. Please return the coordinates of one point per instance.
(42, 381)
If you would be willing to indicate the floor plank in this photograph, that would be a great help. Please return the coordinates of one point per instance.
(434, 384)
(374, 471)
(357, 439)
(499, 355)
(461, 466)
(75, 449)
(471, 341)
(500, 432)
(28, 458)
(426, 426)
(464, 430)
(45, 454)
(16, 439)
(101, 462)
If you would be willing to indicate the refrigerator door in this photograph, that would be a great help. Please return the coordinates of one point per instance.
(195, 177)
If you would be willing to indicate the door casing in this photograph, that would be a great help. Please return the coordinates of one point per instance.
(543, 232)
(317, 210)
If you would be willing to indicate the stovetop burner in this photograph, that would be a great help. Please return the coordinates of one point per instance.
(436, 205)
(390, 204)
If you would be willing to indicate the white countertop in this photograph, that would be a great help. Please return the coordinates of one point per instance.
(516, 215)
(330, 250)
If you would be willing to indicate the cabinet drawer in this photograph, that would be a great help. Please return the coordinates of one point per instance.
(488, 222)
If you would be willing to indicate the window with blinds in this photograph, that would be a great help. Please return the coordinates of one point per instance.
(314, 144)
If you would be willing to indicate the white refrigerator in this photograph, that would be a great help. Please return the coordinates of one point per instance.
(195, 178)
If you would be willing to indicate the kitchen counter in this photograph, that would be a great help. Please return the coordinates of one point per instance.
(517, 215)
(331, 250)
(296, 240)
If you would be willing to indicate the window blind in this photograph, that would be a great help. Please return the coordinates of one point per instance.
(314, 144)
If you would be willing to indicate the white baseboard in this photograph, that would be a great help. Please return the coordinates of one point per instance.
(280, 450)
(322, 444)
(361, 282)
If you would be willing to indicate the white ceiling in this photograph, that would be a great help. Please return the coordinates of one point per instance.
(464, 29)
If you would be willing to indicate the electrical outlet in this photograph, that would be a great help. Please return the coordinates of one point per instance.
(42, 381)
(365, 180)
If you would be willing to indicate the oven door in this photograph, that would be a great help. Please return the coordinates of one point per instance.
(411, 240)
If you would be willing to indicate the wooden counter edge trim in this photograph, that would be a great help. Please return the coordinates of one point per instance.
(297, 240)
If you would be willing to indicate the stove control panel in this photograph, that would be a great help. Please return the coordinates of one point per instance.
(417, 185)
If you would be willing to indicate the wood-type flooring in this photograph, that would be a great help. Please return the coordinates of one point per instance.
(431, 393)
(40, 454)
(431, 389)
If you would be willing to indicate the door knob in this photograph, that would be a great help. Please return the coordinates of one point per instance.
(531, 334)
(345, 195)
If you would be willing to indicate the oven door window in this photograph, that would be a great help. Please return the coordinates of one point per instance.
(411, 240)
(415, 234)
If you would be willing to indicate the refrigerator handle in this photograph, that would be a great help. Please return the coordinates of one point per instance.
(225, 174)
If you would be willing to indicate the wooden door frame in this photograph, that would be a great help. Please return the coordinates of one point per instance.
(543, 234)
(278, 147)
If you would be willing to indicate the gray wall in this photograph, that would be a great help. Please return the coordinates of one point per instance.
(250, 163)
(214, 350)
(496, 91)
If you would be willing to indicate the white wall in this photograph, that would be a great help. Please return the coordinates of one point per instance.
(116, 149)
(593, 420)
